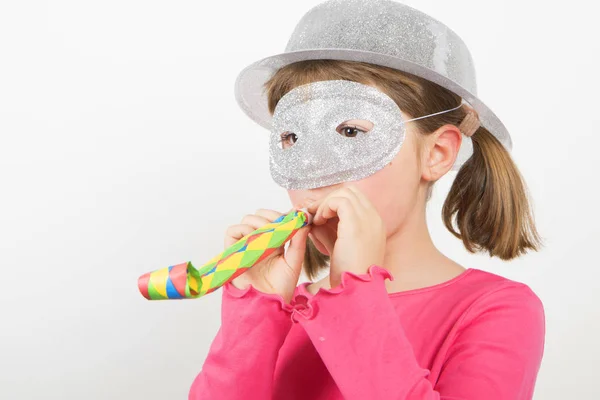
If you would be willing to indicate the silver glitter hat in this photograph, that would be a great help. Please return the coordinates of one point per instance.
(381, 32)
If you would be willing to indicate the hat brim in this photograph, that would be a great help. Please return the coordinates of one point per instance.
(252, 99)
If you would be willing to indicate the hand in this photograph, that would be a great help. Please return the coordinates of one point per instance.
(278, 273)
(361, 235)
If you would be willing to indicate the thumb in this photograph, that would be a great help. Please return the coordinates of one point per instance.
(295, 252)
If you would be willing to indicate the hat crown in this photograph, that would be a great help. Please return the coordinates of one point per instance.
(389, 28)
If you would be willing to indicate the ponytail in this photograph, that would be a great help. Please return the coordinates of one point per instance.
(489, 198)
(314, 260)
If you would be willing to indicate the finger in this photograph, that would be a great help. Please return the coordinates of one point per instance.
(370, 211)
(256, 221)
(364, 200)
(295, 252)
(342, 204)
(314, 206)
(325, 235)
(341, 207)
(236, 232)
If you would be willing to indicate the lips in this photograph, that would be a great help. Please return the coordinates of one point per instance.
(324, 236)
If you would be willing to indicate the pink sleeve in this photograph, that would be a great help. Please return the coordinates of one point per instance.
(359, 337)
(241, 359)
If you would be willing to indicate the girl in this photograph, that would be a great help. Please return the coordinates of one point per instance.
(394, 318)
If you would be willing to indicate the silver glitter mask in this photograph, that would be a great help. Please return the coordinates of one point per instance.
(321, 155)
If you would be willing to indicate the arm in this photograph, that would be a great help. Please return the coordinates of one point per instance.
(359, 337)
(241, 359)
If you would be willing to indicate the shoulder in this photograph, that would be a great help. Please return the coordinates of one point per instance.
(495, 296)
(504, 317)
(489, 284)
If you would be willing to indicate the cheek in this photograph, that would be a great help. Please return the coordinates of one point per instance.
(393, 190)
(387, 194)
(297, 196)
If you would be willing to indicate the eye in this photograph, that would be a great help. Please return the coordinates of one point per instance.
(349, 130)
(286, 138)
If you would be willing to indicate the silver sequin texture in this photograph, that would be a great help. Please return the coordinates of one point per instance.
(321, 155)
(381, 32)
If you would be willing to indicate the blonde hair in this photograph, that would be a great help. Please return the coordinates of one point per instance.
(488, 196)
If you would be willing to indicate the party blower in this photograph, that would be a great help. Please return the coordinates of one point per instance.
(184, 281)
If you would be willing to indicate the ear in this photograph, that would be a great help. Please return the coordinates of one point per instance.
(441, 151)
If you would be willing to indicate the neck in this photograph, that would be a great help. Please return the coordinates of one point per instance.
(412, 258)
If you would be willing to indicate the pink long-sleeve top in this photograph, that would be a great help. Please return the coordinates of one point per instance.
(477, 336)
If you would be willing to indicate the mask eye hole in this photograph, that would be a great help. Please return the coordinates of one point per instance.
(353, 128)
(287, 140)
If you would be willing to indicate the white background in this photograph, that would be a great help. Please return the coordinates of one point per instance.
(123, 151)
